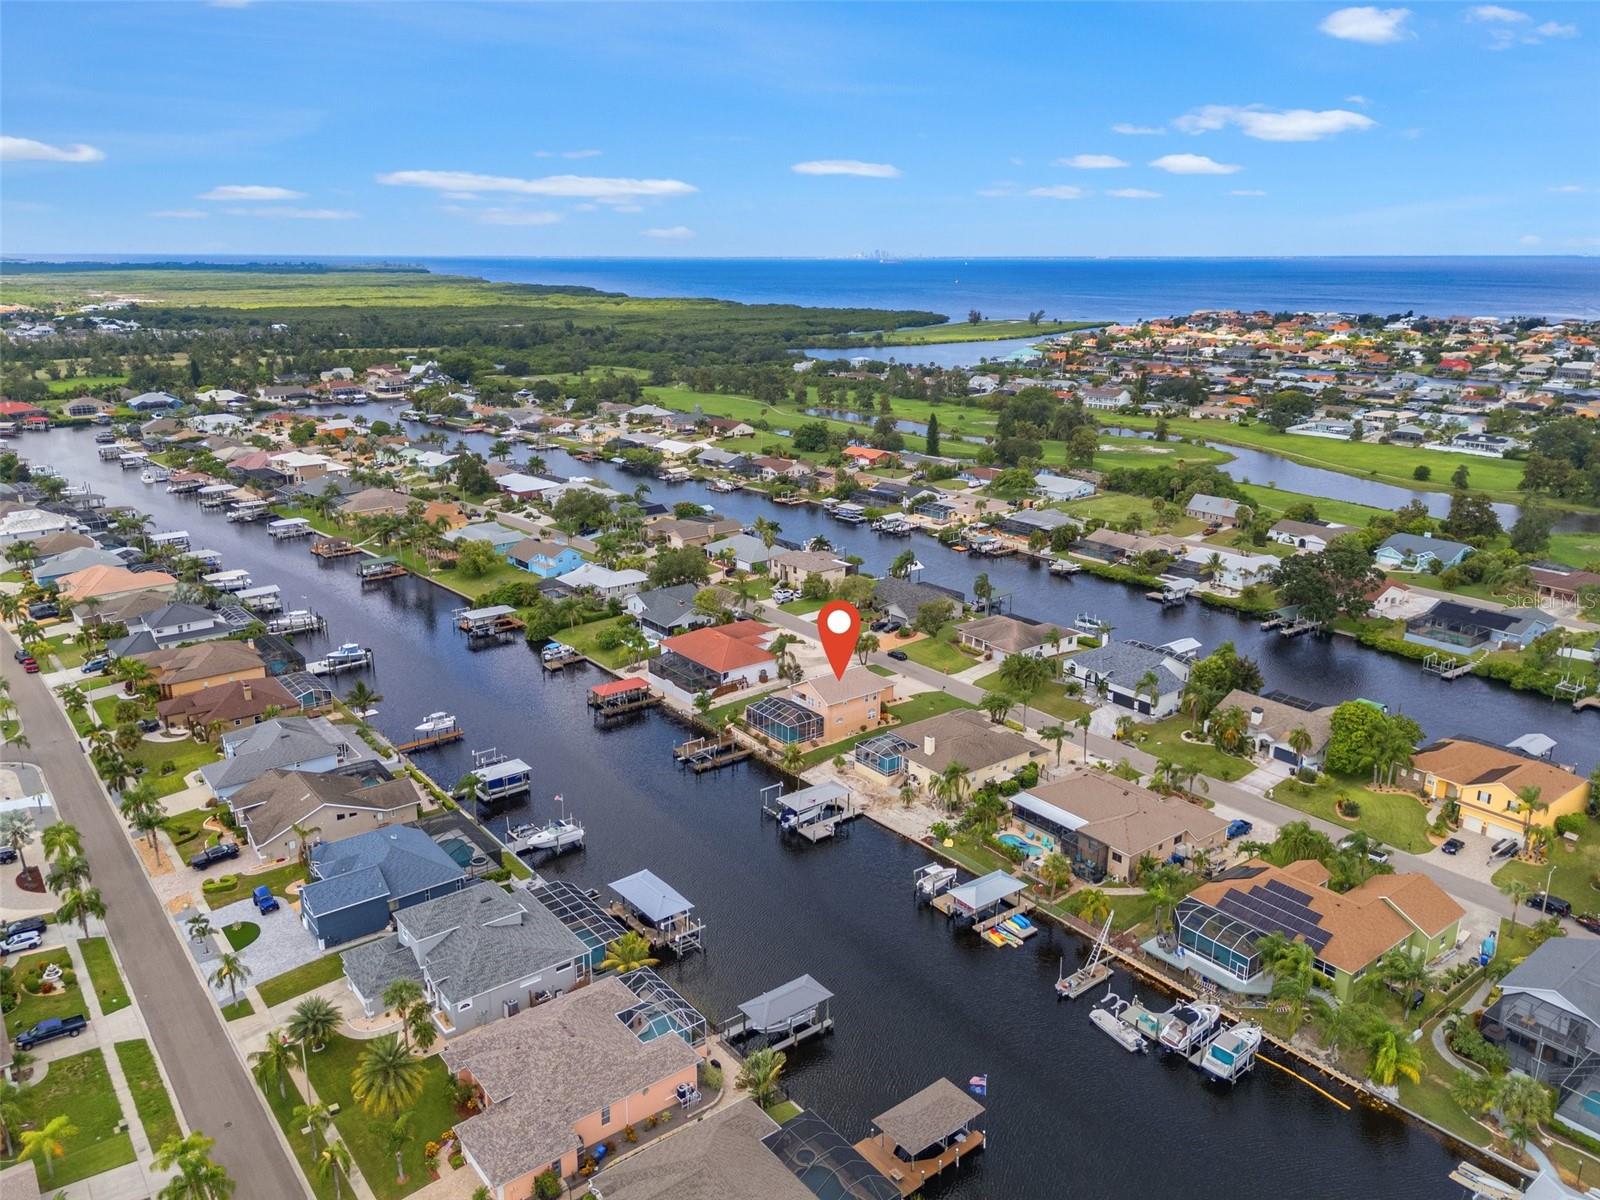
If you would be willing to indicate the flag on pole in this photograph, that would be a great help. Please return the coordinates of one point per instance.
(978, 1085)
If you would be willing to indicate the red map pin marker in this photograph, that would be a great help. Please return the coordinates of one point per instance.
(838, 625)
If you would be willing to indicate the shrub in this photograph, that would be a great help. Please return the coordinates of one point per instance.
(458, 1160)
(710, 1080)
(547, 1185)
(1466, 1041)
(1423, 471)
(1574, 823)
(1028, 776)
(1009, 787)
(629, 1133)
(1307, 774)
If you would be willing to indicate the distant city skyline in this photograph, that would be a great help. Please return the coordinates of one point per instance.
(1085, 130)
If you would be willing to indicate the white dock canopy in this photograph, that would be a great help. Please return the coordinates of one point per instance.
(783, 1006)
(501, 773)
(651, 897)
(986, 891)
(475, 615)
(808, 801)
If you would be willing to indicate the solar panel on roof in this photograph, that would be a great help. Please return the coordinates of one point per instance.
(1283, 889)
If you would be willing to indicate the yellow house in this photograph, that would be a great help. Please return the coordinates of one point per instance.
(1487, 782)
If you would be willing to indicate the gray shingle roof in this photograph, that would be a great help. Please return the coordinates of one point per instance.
(1125, 664)
(396, 861)
(491, 938)
(1568, 967)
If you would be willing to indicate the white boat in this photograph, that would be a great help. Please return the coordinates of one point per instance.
(1064, 566)
(436, 723)
(723, 485)
(1232, 1052)
(560, 834)
(349, 652)
(1105, 1019)
(1188, 1028)
(151, 476)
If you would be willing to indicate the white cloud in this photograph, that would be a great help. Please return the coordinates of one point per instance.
(1567, 188)
(1374, 26)
(1193, 164)
(1134, 194)
(1530, 239)
(627, 208)
(672, 233)
(1554, 29)
(1091, 162)
(582, 186)
(1494, 13)
(1358, 98)
(1128, 130)
(1247, 192)
(181, 214)
(1016, 162)
(1269, 125)
(249, 191)
(1058, 192)
(846, 166)
(515, 216)
(20, 149)
(566, 154)
(295, 214)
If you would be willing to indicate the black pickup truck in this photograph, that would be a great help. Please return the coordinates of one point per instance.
(48, 1031)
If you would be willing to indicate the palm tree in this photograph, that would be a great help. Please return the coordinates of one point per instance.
(1229, 727)
(1083, 721)
(420, 1025)
(16, 830)
(398, 998)
(314, 1021)
(1056, 734)
(1528, 803)
(397, 1136)
(387, 1079)
(1518, 890)
(1473, 1092)
(67, 874)
(908, 792)
(1393, 1053)
(361, 697)
(1524, 1104)
(79, 904)
(199, 927)
(952, 786)
(997, 705)
(1125, 729)
(866, 643)
(1300, 742)
(10, 1114)
(232, 971)
(48, 1143)
(793, 758)
(198, 1177)
(767, 530)
(1094, 905)
(271, 1064)
(628, 953)
(314, 1117)
(759, 1075)
(335, 1161)
(900, 568)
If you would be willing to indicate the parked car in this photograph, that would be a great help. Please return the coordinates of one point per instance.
(1504, 848)
(49, 1030)
(879, 625)
(265, 901)
(28, 939)
(211, 855)
(7, 855)
(30, 666)
(1554, 906)
(24, 925)
(1452, 846)
(1375, 852)
(899, 655)
(39, 610)
(21, 655)
(1238, 828)
(1588, 920)
(149, 725)
(95, 665)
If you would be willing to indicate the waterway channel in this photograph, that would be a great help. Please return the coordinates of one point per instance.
(1069, 1113)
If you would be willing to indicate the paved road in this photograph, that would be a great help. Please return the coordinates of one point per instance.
(213, 1089)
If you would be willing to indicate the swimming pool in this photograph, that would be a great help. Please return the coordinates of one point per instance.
(1027, 847)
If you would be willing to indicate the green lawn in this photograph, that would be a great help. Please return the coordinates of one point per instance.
(939, 652)
(1394, 818)
(784, 1110)
(283, 1105)
(968, 331)
(433, 1113)
(881, 671)
(67, 650)
(1050, 697)
(103, 974)
(802, 608)
(79, 1088)
(1163, 739)
(241, 933)
(585, 639)
(31, 1009)
(300, 980)
(106, 706)
(183, 828)
(82, 383)
(277, 879)
(184, 755)
(916, 708)
(150, 1096)
(1574, 866)
(1276, 501)
(239, 1008)
(1115, 507)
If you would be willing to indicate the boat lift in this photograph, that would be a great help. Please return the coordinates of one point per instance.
(1094, 971)
(783, 1017)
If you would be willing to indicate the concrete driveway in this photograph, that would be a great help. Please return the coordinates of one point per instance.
(283, 945)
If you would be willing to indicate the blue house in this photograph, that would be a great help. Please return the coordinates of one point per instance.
(357, 883)
(1418, 552)
(1467, 628)
(496, 534)
(544, 559)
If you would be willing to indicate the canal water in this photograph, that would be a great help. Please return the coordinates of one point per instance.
(1069, 1112)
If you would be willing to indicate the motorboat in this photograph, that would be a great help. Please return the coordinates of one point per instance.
(1104, 1016)
(436, 723)
(1188, 1027)
(1064, 566)
(1232, 1052)
(349, 652)
(558, 835)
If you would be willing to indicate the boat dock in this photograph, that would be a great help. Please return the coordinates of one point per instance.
(289, 527)
(1586, 702)
(260, 599)
(815, 813)
(994, 905)
(357, 659)
(431, 741)
(618, 697)
(650, 906)
(332, 547)
(1092, 974)
(561, 660)
(301, 620)
(376, 570)
(1447, 666)
(932, 879)
(923, 1136)
(249, 510)
(497, 623)
(498, 777)
(783, 1017)
(710, 754)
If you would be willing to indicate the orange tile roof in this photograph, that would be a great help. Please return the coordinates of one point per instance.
(1465, 763)
(107, 580)
(616, 687)
(717, 649)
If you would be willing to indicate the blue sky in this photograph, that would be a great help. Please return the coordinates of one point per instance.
(742, 129)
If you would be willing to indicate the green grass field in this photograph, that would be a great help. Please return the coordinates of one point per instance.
(300, 980)
(939, 652)
(63, 1002)
(241, 933)
(1574, 866)
(1115, 507)
(917, 708)
(973, 331)
(1395, 819)
(1164, 739)
(277, 879)
(78, 1087)
(103, 974)
(585, 639)
(1049, 698)
(283, 1103)
(82, 383)
(239, 1009)
(150, 1096)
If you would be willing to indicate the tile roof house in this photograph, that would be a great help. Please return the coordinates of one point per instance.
(1000, 634)
(597, 1073)
(230, 704)
(823, 709)
(1485, 780)
(329, 807)
(716, 659)
(106, 582)
(185, 669)
(374, 502)
(479, 954)
(357, 884)
(311, 744)
(679, 532)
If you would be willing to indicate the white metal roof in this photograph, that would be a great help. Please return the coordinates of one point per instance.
(651, 896)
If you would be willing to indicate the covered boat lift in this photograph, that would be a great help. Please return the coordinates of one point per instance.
(654, 908)
(923, 1135)
(498, 622)
(814, 813)
(783, 1017)
(500, 780)
(986, 901)
(617, 697)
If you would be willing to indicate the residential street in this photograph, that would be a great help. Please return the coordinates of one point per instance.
(213, 1089)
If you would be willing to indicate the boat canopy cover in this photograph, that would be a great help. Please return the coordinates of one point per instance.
(484, 614)
(932, 1115)
(815, 796)
(1536, 744)
(496, 772)
(651, 897)
(777, 1008)
(986, 890)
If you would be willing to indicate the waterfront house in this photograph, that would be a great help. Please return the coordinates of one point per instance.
(989, 752)
(311, 744)
(182, 670)
(1220, 923)
(523, 486)
(108, 581)
(478, 954)
(1324, 427)
(603, 581)
(47, 569)
(1104, 825)
(1548, 1020)
(1125, 669)
(544, 559)
(299, 466)
(1485, 782)
(1460, 628)
(1564, 586)
(373, 502)
(1231, 571)
(501, 537)
(153, 402)
(823, 709)
(230, 705)
(902, 599)
(716, 659)
(744, 551)
(603, 1064)
(1058, 488)
(1026, 522)
(359, 883)
(1274, 719)
(769, 468)
(793, 567)
(868, 457)
(171, 625)
(999, 634)
(1105, 399)
(1419, 552)
(667, 611)
(680, 532)
(1310, 536)
(280, 809)
(1212, 510)
(26, 524)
